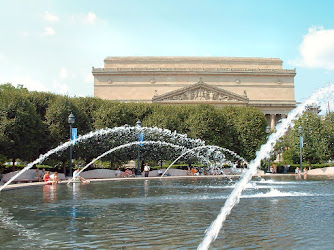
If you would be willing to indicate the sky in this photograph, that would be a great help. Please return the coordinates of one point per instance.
(52, 45)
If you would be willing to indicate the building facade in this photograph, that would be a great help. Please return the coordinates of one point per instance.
(258, 82)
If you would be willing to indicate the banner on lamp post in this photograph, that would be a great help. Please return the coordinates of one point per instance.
(141, 139)
(74, 135)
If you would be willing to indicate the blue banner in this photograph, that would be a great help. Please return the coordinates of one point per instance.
(74, 135)
(301, 142)
(141, 139)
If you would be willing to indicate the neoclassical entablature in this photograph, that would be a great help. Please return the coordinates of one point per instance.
(212, 71)
(201, 92)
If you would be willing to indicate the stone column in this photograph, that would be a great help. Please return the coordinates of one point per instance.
(272, 121)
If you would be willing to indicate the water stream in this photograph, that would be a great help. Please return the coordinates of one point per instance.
(206, 147)
(153, 132)
(234, 198)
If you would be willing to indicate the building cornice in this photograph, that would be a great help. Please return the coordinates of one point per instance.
(191, 59)
(155, 85)
(206, 71)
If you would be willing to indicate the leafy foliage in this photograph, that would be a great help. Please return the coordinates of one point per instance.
(317, 138)
(21, 127)
(34, 122)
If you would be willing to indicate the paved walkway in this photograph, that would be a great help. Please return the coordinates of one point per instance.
(23, 185)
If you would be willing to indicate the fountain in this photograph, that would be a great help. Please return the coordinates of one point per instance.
(274, 213)
(129, 145)
(208, 147)
(281, 128)
(174, 136)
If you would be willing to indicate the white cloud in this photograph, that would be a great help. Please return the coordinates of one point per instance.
(90, 18)
(317, 49)
(50, 17)
(29, 83)
(34, 85)
(48, 31)
(63, 73)
(60, 88)
(89, 78)
(3, 60)
(26, 34)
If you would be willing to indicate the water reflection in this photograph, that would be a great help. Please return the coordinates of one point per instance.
(117, 214)
(74, 209)
(50, 193)
(146, 186)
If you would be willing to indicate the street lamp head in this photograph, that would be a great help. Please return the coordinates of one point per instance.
(71, 119)
(300, 130)
(268, 130)
(138, 123)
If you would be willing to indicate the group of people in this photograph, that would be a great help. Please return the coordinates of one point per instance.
(39, 175)
(195, 171)
(46, 176)
(131, 173)
(49, 178)
(299, 173)
(128, 173)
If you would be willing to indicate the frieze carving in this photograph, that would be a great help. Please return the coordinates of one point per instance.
(201, 92)
(202, 95)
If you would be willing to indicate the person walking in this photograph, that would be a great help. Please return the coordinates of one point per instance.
(274, 168)
(146, 169)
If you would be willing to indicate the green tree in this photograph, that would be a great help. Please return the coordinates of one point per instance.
(115, 114)
(57, 120)
(248, 126)
(41, 102)
(328, 133)
(170, 117)
(316, 146)
(21, 131)
(88, 105)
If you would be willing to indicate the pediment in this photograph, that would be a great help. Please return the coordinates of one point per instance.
(201, 92)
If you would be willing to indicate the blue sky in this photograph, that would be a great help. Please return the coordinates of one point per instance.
(51, 45)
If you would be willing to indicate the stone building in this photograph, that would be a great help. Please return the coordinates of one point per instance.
(258, 82)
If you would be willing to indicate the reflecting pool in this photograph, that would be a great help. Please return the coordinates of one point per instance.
(277, 212)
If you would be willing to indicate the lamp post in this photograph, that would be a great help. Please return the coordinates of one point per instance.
(138, 124)
(71, 120)
(301, 130)
(268, 130)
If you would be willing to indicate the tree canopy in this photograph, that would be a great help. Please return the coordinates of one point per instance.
(34, 122)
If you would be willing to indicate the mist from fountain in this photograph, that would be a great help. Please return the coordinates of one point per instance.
(209, 147)
(212, 232)
(153, 132)
(159, 143)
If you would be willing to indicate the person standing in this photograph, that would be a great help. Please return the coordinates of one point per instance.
(274, 168)
(146, 169)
